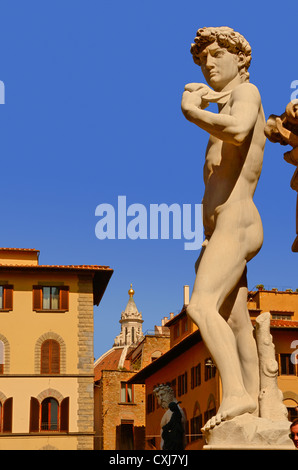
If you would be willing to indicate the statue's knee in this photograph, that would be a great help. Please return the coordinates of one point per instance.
(195, 311)
(190, 310)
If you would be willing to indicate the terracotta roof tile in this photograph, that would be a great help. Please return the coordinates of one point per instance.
(283, 324)
(109, 361)
(280, 323)
(58, 266)
(19, 249)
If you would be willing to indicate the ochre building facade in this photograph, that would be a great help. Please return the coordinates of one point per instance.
(46, 352)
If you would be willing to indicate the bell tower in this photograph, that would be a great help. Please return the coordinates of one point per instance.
(131, 323)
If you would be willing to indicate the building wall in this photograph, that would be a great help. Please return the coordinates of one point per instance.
(267, 301)
(22, 331)
(180, 327)
(109, 411)
(194, 402)
(281, 300)
(33, 325)
(113, 411)
(152, 346)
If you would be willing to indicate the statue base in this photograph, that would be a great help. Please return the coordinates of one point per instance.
(248, 432)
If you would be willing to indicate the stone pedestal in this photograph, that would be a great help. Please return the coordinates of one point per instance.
(271, 429)
(248, 432)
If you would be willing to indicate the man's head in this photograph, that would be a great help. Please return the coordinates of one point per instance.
(222, 54)
(294, 432)
(164, 394)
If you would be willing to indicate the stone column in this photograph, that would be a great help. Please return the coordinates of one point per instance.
(85, 363)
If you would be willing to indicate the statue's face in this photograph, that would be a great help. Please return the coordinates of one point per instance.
(163, 398)
(219, 66)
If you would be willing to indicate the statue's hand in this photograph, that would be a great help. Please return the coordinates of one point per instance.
(193, 96)
(197, 87)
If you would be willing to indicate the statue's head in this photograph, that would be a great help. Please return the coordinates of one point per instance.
(164, 394)
(221, 48)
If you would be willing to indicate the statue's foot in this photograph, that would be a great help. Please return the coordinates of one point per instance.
(230, 408)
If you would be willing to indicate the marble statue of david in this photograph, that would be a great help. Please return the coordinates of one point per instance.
(232, 224)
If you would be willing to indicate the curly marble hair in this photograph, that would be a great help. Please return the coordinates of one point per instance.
(226, 37)
(164, 387)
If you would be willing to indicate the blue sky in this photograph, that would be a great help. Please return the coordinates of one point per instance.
(92, 111)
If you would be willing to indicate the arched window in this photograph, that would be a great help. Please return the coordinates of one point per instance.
(196, 423)
(155, 355)
(211, 408)
(49, 414)
(50, 357)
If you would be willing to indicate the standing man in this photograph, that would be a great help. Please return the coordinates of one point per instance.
(232, 224)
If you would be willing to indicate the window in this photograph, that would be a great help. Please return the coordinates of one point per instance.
(209, 413)
(125, 435)
(6, 415)
(136, 364)
(50, 298)
(210, 369)
(286, 366)
(196, 376)
(150, 403)
(155, 355)
(1, 357)
(182, 384)
(126, 393)
(195, 428)
(6, 297)
(281, 315)
(176, 331)
(49, 415)
(293, 412)
(184, 325)
(173, 386)
(50, 357)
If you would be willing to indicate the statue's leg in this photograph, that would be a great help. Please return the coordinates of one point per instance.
(235, 311)
(218, 272)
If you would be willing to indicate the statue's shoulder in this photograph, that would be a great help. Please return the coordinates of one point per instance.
(246, 92)
(166, 417)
